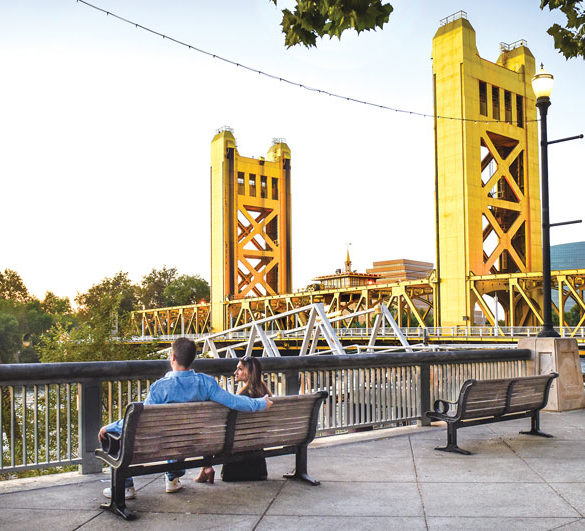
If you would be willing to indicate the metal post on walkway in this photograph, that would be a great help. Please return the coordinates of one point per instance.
(90, 408)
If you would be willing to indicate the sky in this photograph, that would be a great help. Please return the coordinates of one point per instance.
(105, 132)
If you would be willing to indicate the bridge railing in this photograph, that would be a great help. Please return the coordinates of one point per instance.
(50, 414)
(409, 332)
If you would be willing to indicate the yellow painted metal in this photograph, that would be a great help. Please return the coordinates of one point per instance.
(487, 181)
(176, 320)
(488, 216)
(250, 224)
(410, 303)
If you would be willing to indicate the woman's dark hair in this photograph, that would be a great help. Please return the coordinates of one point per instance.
(255, 386)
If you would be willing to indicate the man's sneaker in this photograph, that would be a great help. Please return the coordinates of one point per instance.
(173, 485)
(129, 493)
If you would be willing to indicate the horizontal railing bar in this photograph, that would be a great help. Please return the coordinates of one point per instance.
(39, 466)
(24, 373)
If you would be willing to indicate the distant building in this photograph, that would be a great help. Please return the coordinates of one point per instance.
(401, 269)
(344, 279)
(567, 256)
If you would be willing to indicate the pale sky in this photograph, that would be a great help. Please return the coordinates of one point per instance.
(105, 132)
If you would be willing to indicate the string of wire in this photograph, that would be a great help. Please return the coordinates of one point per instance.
(285, 80)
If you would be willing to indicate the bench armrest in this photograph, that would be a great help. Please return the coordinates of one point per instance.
(111, 445)
(442, 407)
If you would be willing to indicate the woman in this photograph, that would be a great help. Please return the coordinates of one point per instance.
(249, 373)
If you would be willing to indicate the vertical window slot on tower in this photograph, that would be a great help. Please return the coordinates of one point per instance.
(496, 103)
(519, 110)
(241, 189)
(483, 98)
(508, 106)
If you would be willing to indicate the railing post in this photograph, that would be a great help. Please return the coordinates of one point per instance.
(425, 394)
(91, 422)
(292, 382)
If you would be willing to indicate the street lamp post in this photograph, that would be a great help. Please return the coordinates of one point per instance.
(542, 84)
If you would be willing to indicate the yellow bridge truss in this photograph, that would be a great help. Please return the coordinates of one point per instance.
(411, 304)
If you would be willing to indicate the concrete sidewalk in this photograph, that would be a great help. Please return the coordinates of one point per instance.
(394, 481)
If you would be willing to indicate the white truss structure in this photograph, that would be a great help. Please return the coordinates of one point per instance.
(317, 326)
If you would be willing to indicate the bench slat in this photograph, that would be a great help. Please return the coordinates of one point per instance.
(169, 433)
(268, 443)
(192, 415)
(265, 425)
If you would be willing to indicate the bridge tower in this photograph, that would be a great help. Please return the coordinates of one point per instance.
(250, 224)
(487, 181)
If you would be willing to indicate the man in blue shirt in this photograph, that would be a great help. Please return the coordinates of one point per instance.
(182, 384)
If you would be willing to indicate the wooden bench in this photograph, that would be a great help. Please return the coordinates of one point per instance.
(485, 401)
(204, 434)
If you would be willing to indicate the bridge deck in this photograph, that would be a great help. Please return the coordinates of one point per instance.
(512, 482)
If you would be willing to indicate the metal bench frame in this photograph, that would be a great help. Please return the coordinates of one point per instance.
(442, 409)
(118, 452)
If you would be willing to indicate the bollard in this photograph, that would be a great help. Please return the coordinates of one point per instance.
(425, 394)
(292, 382)
(91, 422)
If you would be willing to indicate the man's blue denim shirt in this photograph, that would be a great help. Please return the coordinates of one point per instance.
(191, 386)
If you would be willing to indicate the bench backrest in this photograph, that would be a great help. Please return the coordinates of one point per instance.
(171, 431)
(500, 397)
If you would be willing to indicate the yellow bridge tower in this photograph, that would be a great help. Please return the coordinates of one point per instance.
(250, 224)
(487, 180)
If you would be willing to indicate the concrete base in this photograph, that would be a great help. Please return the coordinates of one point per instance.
(559, 355)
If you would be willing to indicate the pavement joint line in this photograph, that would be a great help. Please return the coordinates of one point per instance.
(87, 522)
(566, 524)
(269, 505)
(418, 486)
(500, 517)
(545, 481)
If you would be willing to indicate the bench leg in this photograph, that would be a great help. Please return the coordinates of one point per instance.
(452, 441)
(300, 471)
(117, 503)
(535, 426)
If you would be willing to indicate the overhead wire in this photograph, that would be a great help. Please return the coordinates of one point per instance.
(283, 79)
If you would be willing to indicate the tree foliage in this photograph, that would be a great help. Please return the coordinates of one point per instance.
(54, 305)
(152, 289)
(50, 330)
(163, 287)
(569, 40)
(12, 287)
(9, 338)
(186, 289)
(108, 301)
(311, 19)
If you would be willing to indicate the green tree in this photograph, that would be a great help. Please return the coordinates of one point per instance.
(311, 19)
(569, 40)
(108, 302)
(573, 316)
(9, 338)
(54, 305)
(31, 322)
(12, 287)
(152, 289)
(186, 289)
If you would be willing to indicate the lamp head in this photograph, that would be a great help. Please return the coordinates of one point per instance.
(542, 83)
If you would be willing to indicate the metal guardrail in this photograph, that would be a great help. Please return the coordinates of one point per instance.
(51, 413)
(445, 332)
